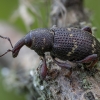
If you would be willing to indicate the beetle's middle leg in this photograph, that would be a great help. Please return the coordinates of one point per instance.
(90, 59)
(64, 65)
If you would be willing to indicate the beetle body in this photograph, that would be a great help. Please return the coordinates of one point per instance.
(64, 43)
(76, 45)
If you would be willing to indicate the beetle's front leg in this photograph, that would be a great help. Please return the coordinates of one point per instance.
(91, 58)
(43, 71)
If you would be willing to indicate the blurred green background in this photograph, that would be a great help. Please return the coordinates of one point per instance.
(6, 10)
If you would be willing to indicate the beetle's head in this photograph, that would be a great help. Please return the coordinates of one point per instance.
(15, 50)
(42, 40)
(24, 41)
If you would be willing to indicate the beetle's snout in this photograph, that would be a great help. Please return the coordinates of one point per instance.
(15, 53)
(17, 47)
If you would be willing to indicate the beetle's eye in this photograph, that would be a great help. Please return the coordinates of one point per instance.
(28, 40)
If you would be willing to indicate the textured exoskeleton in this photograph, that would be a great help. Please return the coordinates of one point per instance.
(73, 44)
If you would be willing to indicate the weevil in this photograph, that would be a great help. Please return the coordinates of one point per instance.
(73, 44)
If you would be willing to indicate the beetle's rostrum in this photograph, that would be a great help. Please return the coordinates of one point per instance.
(17, 47)
(73, 44)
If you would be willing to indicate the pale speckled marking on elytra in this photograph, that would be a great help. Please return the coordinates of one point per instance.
(69, 29)
(33, 39)
(93, 46)
(71, 35)
(94, 42)
(44, 40)
(73, 48)
(69, 53)
(74, 40)
(92, 51)
(52, 32)
(42, 48)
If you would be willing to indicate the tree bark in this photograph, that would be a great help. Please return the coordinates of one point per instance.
(83, 84)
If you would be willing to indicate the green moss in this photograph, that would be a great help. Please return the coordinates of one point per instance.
(94, 7)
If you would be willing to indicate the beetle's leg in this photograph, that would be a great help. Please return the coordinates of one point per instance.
(88, 59)
(7, 39)
(93, 63)
(64, 65)
(69, 73)
(43, 71)
(91, 58)
(88, 29)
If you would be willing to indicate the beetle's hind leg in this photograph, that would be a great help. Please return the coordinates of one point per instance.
(90, 59)
(88, 29)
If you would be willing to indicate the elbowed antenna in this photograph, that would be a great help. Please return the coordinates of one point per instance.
(7, 39)
(10, 44)
(16, 48)
(6, 52)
